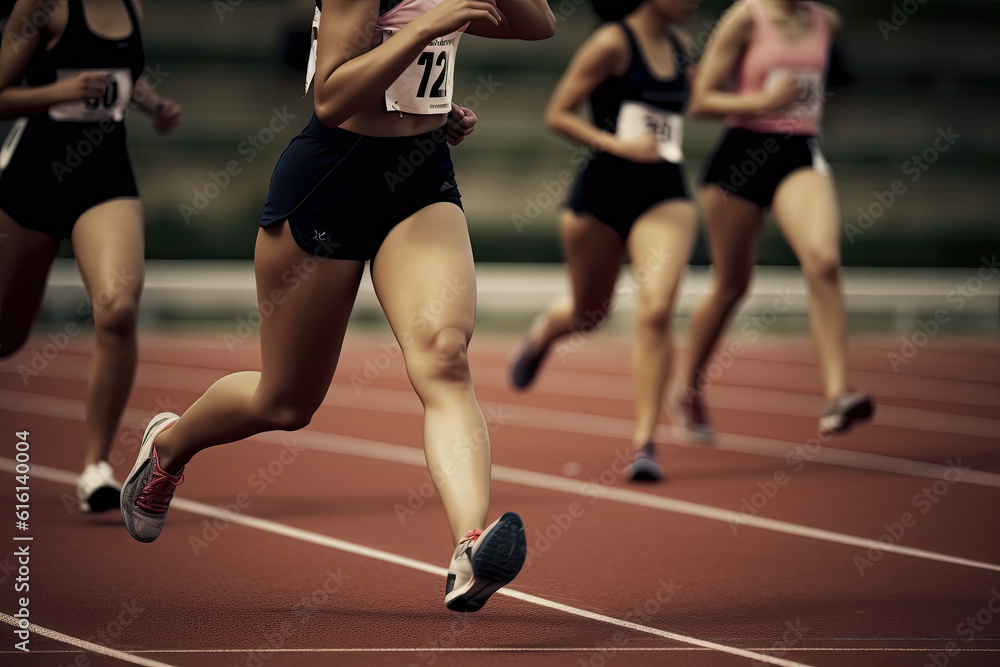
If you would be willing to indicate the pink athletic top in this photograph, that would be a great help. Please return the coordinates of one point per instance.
(769, 54)
(395, 19)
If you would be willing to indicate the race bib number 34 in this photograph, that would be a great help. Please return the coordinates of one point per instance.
(111, 106)
(637, 118)
(809, 106)
(426, 87)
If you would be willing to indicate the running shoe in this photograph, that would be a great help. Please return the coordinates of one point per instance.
(149, 489)
(845, 411)
(525, 362)
(484, 561)
(644, 467)
(528, 357)
(97, 489)
(689, 417)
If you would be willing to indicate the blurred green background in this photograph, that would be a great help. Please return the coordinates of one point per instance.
(227, 63)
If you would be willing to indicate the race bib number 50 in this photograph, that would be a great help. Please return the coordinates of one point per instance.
(428, 84)
(111, 106)
(637, 118)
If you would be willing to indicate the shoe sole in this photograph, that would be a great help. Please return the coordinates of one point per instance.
(143, 460)
(101, 500)
(681, 431)
(858, 412)
(529, 364)
(644, 470)
(496, 562)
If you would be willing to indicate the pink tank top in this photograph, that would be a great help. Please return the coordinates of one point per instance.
(767, 56)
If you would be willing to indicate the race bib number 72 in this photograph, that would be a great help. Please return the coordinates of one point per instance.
(427, 85)
(110, 106)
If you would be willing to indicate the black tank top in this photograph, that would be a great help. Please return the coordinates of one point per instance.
(80, 49)
(640, 85)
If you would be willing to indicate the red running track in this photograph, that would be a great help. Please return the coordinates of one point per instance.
(877, 548)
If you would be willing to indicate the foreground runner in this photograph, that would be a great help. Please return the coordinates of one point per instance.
(338, 198)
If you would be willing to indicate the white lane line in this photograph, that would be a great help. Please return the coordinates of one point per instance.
(575, 382)
(378, 399)
(72, 409)
(265, 525)
(87, 646)
(539, 649)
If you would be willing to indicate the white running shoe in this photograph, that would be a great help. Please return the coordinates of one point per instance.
(97, 489)
(485, 561)
(149, 489)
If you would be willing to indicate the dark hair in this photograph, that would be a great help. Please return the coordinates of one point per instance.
(6, 7)
(615, 10)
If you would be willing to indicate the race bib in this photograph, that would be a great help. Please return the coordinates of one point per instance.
(809, 106)
(111, 106)
(11, 142)
(428, 84)
(637, 118)
(311, 65)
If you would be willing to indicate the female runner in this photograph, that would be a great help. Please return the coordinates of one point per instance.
(631, 197)
(66, 174)
(777, 53)
(370, 178)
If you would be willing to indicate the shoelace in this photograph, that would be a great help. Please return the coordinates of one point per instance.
(157, 494)
(472, 536)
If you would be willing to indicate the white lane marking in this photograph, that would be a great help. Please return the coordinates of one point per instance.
(265, 525)
(56, 407)
(377, 399)
(87, 646)
(537, 649)
(73, 409)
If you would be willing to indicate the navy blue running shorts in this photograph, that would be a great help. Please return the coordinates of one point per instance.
(342, 193)
(618, 192)
(752, 165)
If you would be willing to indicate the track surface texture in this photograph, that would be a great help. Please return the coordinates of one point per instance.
(328, 546)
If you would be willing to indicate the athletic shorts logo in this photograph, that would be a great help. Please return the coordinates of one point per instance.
(318, 235)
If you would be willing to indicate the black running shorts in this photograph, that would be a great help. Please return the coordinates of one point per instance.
(752, 165)
(342, 193)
